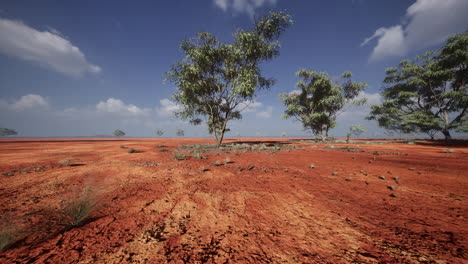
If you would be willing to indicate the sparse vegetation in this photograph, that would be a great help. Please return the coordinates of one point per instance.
(356, 130)
(118, 133)
(180, 156)
(123, 147)
(65, 162)
(76, 210)
(180, 132)
(449, 150)
(7, 132)
(159, 132)
(132, 150)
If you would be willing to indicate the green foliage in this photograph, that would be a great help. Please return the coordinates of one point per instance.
(118, 133)
(75, 211)
(123, 147)
(320, 99)
(180, 156)
(428, 94)
(355, 130)
(132, 150)
(7, 132)
(216, 81)
(160, 132)
(284, 134)
(180, 132)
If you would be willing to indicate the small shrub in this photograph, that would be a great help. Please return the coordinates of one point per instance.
(161, 146)
(227, 161)
(217, 163)
(411, 143)
(8, 236)
(450, 151)
(65, 162)
(74, 211)
(123, 147)
(132, 150)
(180, 156)
(198, 156)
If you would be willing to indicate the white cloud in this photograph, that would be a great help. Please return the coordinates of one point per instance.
(243, 6)
(249, 106)
(26, 102)
(168, 108)
(48, 48)
(117, 106)
(265, 114)
(430, 22)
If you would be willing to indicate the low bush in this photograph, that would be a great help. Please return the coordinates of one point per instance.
(450, 151)
(132, 150)
(180, 156)
(123, 147)
(75, 211)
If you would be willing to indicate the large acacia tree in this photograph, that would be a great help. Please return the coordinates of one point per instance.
(7, 132)
(320, 99)
(428, 94)
(215, 80)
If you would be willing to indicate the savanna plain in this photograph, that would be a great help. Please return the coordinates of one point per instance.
(274, 200)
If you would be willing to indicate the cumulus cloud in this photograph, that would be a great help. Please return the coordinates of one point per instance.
(168, 108)
(26, 102)
(48, 48)
(428, 22)
(117, 106)
(249, 106)
(265, 114)
(243, 6)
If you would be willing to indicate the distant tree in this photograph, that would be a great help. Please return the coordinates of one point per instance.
(216, 81)
(118, 133)
(7, 132)
(428, 94)
(356, 130)
(159, 132)
(238, 134)
(180, 132)
(320, 100)
(284, 134)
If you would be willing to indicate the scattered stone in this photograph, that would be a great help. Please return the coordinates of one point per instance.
(394, 195)
(334, 173)
(367, 183)
(392, 187)
(286, 170)
(382, 178)
(251, 167)
(7, 174)
(411, 169)
(348, 179)
(65, 162)
(312, 166)
(419, 172)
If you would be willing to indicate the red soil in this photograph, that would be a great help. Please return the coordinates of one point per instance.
(263, 207)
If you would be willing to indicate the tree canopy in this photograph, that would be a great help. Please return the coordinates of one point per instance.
(118, 133)
(180, 132)
(216, 81)
(428, 94)
(159, 132)
(7, 132)
(320, 99)
(355, 130)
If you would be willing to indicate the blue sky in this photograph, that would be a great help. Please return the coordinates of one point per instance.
(85, 68)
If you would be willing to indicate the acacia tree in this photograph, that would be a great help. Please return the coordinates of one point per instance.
(7, 132)
(216, 80)
(160, 132)
(180, 132)
(319, 100)
(428, 94)
(118, 133)
(355, 130)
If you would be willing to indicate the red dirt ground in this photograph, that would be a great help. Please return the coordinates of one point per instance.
(265, 206)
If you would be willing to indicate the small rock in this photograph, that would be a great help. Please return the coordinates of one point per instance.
(394, 195)
(411, 169)
(311, 166)
(334, 173)
(348, 179)
(382, 178)
(392, 187)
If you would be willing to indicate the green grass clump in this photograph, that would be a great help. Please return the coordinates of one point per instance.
(132, 150)
(180, 156)
(123, 147)
(198, 156)
(450, 151)
(9, 235)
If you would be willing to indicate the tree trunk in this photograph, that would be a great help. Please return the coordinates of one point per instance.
(447, 135)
